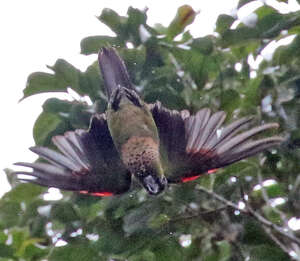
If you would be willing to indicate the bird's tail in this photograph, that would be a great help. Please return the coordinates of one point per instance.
(113, 70)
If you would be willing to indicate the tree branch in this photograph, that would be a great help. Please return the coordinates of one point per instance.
(249, 211)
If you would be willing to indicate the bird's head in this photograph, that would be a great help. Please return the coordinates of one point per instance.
(153, 183)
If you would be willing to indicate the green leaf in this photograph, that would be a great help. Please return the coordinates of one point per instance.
(80, 116)
(254, 234)
(63, 212)
(224, 23)
(267, 253)
(271, 23)
(184, 17)
(34, 251)
(203, 44)
(6, 251)
(286, 54)
(231, 101)
(92, 84)
(137, 219)
(169, 249)
(65, 75)
(92, 44)
(10, 214)
(46, 126)
(244, 2)
(23, 193)
(136, 18)
(57, 106)
(114, 21)
(40, 82)
(239, 36)
(3, 237)
(74, 252)
(252, 95)
(222, 252)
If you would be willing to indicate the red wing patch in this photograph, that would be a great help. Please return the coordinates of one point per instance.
(97, 194)
(211, 171)
(187, 179)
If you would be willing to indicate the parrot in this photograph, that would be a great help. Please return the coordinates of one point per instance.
(147, 143)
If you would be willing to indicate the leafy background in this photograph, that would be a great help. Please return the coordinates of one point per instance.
(240, 213)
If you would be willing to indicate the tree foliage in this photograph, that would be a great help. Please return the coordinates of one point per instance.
(231, 215)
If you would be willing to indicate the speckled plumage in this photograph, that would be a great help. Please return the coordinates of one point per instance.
(138, 153)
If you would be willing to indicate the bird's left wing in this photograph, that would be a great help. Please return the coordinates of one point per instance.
(192, 145)
(87, 162)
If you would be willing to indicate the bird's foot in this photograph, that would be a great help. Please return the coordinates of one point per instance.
(116, 98)
(133, 97)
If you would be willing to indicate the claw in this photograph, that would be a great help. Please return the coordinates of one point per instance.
(116, 98)
(133, 97)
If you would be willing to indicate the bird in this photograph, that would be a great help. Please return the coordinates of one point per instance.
(148, 143)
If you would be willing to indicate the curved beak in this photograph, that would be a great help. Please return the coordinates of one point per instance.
(154, 185)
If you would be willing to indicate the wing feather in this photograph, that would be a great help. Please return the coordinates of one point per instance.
(196, 144)
(87, 161)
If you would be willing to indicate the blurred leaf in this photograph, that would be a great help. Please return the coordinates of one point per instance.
(231, 101)
(244, 2)
(80, 116)
(136, 18)
(239, 36)
(74, 252)
(92, 44)
(224, 23)
(56, 106)
(40, 82)
(10, 213)
(66, 75)
(184, 17)
(137, 219)
(254, 234)
(23, 193)
(267, 253)
(286, 54)
(114, 21)
(91, 82)
(220, 253)
(6, 251)
(203, 45)
(169, 250)
(64, 212)
(46, 126)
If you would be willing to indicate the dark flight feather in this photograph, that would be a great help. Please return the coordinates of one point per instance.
(194, 145)
(113, 70)
(88, 162)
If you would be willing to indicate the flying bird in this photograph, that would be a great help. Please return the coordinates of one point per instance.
(147, 142)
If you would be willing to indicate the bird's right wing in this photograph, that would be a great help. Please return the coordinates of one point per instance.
(87, 162)
(192, 145)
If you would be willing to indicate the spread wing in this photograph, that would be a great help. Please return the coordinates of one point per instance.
(87, 162)
(197, 144)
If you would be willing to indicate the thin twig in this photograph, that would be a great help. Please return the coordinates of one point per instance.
(254, 214)
(267, 200)
(276, 240)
